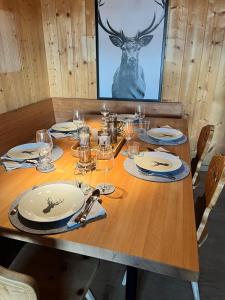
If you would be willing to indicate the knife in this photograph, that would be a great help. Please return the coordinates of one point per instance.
(76, 218)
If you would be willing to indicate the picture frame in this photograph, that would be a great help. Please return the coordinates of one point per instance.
(130, 46)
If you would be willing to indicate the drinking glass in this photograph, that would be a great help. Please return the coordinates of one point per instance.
(140, 111)
(133, 149)
(83, 178)
(44, 140)
(143, 126)
(105, 163)
(129, 129)
(78, 118)
(84, 167)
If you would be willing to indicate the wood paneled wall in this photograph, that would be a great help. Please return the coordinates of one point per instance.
(194, 63)
(23, 71)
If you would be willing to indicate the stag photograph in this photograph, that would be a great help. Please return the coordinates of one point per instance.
(130, 48)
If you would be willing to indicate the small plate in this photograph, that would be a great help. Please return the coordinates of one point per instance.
(147, 162)
(66, 126)
(51, 202)
(126, 117)
(25, 151)
(165, 134)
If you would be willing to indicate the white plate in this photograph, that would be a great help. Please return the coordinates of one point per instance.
(51, 202)
(25, 151)
(125, 117)
(146, 161)
(165, 134)
(66, 126)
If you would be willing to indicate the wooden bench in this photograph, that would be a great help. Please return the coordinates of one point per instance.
(63, 108)
(19, 126)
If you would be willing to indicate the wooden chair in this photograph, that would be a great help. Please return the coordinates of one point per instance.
(215, 181)
(50, 274)
(203, 144)
(214, 184)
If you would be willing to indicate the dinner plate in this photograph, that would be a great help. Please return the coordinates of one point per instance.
(126, 117)
(158, 162)
(25, 151)
(66, 126)
(51, 202)
(165, 134)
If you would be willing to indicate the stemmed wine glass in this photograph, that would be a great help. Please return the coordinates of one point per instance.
(105, 163)
(104, 110)
(45, 143)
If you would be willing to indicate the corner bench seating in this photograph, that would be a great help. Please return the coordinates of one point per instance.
(19, 126)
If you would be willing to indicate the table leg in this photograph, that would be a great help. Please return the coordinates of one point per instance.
(131, 284)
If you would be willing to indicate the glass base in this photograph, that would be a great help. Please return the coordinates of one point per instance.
(106, 188)
(45, 168)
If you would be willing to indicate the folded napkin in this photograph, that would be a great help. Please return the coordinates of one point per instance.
(12, 165)
(97, 211)
(59, 135)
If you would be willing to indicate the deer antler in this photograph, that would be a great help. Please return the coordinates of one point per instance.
(153, 26)
(110, 31)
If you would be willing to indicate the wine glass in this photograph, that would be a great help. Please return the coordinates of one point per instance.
(45, 143)
(105, 163)
(104, 110)
(140, 111)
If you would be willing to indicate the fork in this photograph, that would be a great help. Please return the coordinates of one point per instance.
(31, 161)
(157, 163)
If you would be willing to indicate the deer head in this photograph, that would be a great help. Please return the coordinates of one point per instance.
(131, 46)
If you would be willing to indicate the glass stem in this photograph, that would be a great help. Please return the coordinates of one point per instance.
(105, 179)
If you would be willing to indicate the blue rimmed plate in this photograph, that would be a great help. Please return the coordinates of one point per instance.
(158, 162)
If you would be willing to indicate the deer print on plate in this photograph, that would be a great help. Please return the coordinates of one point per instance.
(129, 80)
(51, 205)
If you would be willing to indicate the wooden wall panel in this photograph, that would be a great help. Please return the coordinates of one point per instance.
(194, 58)
(29, 83)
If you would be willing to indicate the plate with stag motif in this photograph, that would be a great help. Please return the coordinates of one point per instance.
(51, 202)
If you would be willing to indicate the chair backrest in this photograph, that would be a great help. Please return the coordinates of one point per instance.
(215, 181)
(203, 144)
(19, 126)
(63, 107)
(14, 286)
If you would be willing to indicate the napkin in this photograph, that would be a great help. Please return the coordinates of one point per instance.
(96, 211)
(12, 165)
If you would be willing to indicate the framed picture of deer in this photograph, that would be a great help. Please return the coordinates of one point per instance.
(130, 39)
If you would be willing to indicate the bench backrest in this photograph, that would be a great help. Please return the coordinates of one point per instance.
(63, 107)
(19, 126)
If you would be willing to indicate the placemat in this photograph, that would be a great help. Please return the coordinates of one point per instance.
(42, 228)
(131, 168)
(147, 139)
(11, 164)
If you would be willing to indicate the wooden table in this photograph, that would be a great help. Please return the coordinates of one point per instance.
(149, 225)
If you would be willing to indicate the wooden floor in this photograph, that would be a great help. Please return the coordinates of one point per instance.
(107, 283)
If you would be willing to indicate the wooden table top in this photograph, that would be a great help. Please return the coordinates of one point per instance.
(149, 225)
